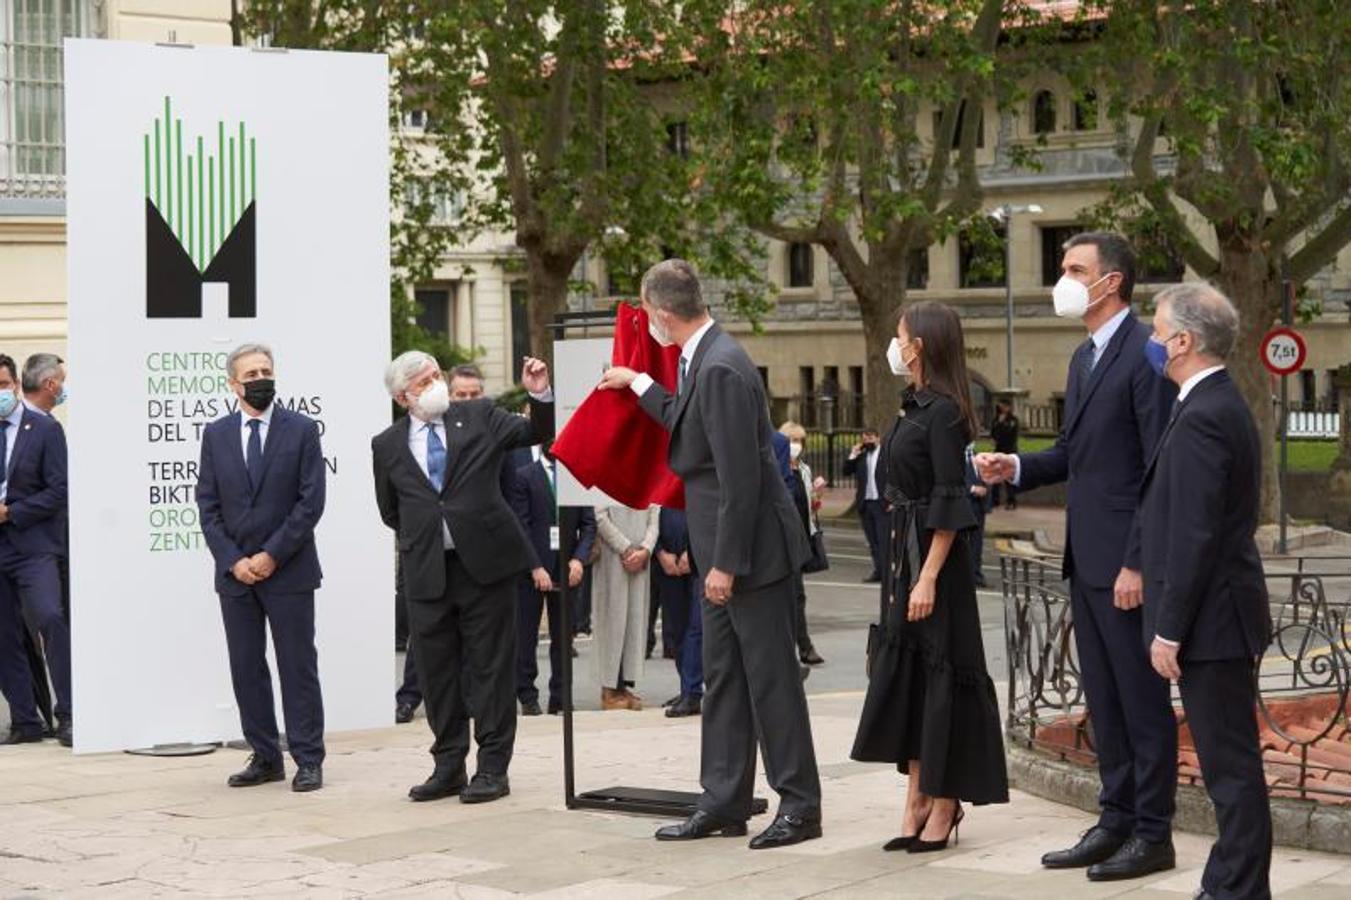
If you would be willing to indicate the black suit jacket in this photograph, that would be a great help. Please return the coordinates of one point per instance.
(1112, 424)
(532, 500)
(857, 468)
(35, 489)
(741, 519)
(1204, 585)
(487, 535)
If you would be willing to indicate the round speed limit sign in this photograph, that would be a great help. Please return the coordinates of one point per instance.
(1283, 351)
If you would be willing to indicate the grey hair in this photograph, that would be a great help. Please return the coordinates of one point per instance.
(244, 350)
(1205, 314)
(673, 285)
(38, 368)
(403, 367)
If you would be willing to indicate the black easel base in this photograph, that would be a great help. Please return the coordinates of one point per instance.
(648, 802)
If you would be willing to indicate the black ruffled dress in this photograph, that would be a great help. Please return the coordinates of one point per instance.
(930, 697)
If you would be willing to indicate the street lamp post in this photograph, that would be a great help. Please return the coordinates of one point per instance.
(1005, 214)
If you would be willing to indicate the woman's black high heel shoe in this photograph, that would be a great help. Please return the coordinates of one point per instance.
(921, 846)
(904, 842)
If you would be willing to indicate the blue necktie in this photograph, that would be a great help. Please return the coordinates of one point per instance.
(4, 452)
(436, 457)
(1090, 360)
(253, 459)
(680, 380)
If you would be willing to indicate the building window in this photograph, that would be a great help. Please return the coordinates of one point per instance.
(957, 135)
(1043, 113)
(678, 139)
(1086, 111)
(620, 281)
(520, 325)
(917, 269)
(1053, 238)
(980, 258)
(800, 273)
(1308, 388)
(32, 93)
(764, 378)
(1157, 261)
(433, 310)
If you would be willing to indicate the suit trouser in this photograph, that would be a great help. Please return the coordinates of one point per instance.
(754, 689)
(875, 529)
(530, 609)
(800, 634)
(1134, 729)
(468, 633)
(682, 626)
(248, 617)
(30, 585)
(1220, 699)
(409, 691)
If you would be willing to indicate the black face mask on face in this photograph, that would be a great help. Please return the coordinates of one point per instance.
(259, 393)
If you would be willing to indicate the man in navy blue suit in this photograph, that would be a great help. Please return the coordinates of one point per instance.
(32, 537)
(260, 493)
(1115, 408)
(533, 496)
(681, 594)
(1207, 618)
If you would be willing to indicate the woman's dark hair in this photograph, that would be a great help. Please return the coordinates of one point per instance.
(944, 350)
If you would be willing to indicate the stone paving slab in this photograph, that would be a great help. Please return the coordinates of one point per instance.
(113, 825)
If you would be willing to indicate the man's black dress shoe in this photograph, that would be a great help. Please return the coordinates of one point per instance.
(555, 707)
(685, 706)
(531, 708)
(1136, 859)
(19, 736)
(485, 788)
(309, 777)
(701, 825)
(673, 701)
(403, 713)
(441, 784)
(65, 733)
(1095, 845)
(786, 830)
(258, 771)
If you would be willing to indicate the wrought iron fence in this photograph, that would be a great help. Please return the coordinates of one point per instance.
(1303, 680)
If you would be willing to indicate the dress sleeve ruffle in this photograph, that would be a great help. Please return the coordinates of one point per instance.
(949, 509)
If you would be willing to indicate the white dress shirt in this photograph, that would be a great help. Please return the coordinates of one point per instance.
(11, 438)
(870, 461)
(245, 419)
(644, 380)
(1196, 379)
(417, 443)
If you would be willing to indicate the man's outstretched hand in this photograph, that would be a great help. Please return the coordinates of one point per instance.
(616, 378)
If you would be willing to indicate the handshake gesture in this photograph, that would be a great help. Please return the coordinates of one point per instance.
(995, 468)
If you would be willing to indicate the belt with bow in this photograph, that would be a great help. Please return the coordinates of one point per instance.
(904, 546)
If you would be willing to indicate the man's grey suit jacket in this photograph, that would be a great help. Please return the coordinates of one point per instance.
(741, 519)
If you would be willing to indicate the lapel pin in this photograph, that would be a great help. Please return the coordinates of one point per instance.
(459, 424)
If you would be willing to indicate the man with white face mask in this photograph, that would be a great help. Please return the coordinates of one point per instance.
(437, 483)
(1115, 409)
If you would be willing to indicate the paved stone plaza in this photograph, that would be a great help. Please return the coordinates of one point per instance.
(124, 826)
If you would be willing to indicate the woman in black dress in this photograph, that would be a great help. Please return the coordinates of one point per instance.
(931, 707)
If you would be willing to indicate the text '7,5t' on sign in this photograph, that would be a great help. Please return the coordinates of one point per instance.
(1283, 351)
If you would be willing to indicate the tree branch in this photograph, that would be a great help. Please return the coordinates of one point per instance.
(1323, 248)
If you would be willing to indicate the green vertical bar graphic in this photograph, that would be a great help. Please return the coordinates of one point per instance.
(253, 169)
(201, 205)
(168, 208)
(232, 220)
(178, 168)
(242, 202)
(157, 174)
(220, 194)
(145, 139)
(192, 207)
(211, 209)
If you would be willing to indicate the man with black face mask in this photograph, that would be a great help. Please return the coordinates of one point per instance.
(260, 492)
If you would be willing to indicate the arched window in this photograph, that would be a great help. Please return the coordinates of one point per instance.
(1043, 112)
(1086, 111)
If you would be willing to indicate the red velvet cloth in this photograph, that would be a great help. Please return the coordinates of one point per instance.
(610, 443)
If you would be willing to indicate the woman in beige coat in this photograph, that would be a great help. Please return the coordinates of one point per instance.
(620, 600)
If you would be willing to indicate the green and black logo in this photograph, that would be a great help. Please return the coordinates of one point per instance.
(199, 219)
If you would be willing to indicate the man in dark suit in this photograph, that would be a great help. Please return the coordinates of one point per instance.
(1206, 615)
(1115, 407)
(681, 620)
(32, 537)
(437, 484)
(260, 494)
(747, 542)
(533, 497)
(861, 465)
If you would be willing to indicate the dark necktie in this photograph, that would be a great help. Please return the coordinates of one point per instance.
(436, 457)
(680, 381)
(4, 452)
(1090, 360)
(253, 459)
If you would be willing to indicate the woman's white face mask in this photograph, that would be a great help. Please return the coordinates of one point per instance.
(896, 359)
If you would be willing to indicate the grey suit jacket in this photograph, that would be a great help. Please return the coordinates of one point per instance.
(741, 519)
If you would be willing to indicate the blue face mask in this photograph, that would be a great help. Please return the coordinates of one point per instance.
(1156, 352)
(8, 400)
(61, 397)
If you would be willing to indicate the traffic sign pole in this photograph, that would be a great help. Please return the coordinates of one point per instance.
(1287, 290)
